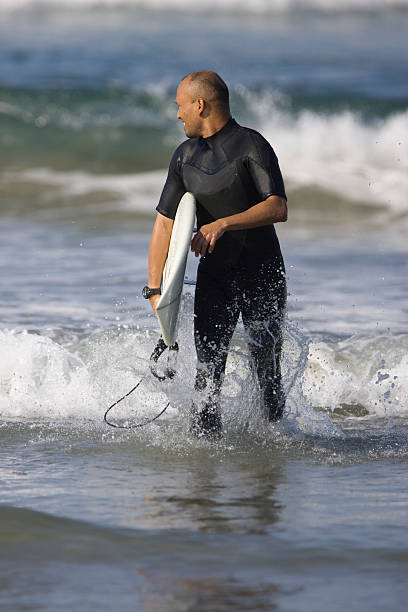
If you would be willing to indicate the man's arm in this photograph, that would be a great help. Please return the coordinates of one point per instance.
(271, 210)
(159, 247)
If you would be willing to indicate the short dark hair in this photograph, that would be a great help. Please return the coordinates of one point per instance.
(210, 86)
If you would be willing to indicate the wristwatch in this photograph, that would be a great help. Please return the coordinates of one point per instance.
(147, 292)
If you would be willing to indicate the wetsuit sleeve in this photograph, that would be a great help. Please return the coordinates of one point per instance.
(173, 189)
(264, 169)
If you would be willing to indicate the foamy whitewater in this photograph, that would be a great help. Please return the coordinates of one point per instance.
(338, 153)
(306, 514)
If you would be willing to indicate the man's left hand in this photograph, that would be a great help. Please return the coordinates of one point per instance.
(206, 237)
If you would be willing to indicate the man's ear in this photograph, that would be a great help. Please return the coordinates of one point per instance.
(200, 105)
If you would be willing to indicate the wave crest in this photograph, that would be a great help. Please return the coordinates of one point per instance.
(358, 376)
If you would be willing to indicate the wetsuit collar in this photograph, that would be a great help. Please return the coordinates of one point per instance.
(226, 129)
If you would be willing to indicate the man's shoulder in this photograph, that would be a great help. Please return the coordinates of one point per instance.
(248, 143)
(252, 135)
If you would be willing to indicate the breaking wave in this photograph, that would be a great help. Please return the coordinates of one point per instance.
(358, 377)
(358, 158)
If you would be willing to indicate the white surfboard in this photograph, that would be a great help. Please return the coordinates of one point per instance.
(173, 275)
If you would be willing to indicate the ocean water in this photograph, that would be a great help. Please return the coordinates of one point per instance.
(310, 513)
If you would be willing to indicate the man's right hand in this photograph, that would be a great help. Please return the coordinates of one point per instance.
(207, 236)
(153, 302)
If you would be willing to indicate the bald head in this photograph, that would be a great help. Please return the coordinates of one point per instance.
(209, 86)
(203, 103)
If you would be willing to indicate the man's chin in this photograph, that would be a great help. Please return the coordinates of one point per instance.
(190, 134)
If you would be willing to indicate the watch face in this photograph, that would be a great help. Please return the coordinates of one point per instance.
(148, 292)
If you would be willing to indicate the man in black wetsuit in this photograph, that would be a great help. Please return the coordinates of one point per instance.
(234, 175)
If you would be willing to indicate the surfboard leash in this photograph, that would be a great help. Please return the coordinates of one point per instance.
(169, 372)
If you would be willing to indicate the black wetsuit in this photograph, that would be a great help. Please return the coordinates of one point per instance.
(228, 173)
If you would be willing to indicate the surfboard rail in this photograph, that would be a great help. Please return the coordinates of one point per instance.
(168, 306)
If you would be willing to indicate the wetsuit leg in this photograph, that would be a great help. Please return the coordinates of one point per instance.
(216, 311)
(263, 304)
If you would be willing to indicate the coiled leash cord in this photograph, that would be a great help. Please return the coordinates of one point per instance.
(169, 372)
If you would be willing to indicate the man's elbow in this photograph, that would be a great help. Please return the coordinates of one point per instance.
(284, 210)
(279, 211)
(164, 224)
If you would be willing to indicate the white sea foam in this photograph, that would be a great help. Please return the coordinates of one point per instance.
(368, 371)
(363, 161)
(134, 192)
(42, 378)
(340, 153)
(251, 6)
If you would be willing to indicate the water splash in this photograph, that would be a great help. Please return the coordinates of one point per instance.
(327, 385)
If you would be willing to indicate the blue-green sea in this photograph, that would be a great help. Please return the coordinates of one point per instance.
(307, 514)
